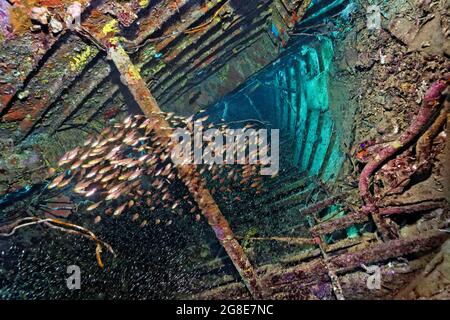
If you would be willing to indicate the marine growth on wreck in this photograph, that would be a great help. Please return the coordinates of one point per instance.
(224, 149)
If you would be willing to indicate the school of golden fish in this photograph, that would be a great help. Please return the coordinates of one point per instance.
(128, 166)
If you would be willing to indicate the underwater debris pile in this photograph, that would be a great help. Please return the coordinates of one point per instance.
(432, 101)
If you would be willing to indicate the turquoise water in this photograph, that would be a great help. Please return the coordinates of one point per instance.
(292, 95)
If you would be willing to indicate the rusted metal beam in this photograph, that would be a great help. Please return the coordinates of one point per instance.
(283, 189)
(109, 96)
(183, 54)
(319, 206)
(92, 80)
(54, 97)
(160, 14)
(197, 76)
(283, 12)
(361, 216)
(131, 78)
(289, 202)
(49, 43)
(210, 50)
(412, 208)
(60, 69)
(30, 111)
(331, 271)
(339, 223)
(316, 269)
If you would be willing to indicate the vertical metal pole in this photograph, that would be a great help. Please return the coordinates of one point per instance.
(131, 78)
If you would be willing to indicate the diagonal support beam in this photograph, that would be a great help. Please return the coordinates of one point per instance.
(131, 78)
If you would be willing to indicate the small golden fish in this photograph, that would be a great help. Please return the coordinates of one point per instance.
(131, 164)
(113, 195)
(85, 155)
(117, 187)
(63, 161)
(164, 157)
(143, 158)
(112, 153)
(202, 119)
(125, 176)
(254, 184)
(65, 182)
(127, 120)
(76, 164)
(97, 151)
(95, 143)
(168, 167)
(144, 124)
(56, 181)
(88, 141)
(98, 178)
(105, 169)
(109, 177)
(97, 219)
(114, 138)
(151, 161)
(171, 176)
(135, 175)
(95, 161)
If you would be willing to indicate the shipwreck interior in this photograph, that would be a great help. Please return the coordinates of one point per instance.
(358, 90)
